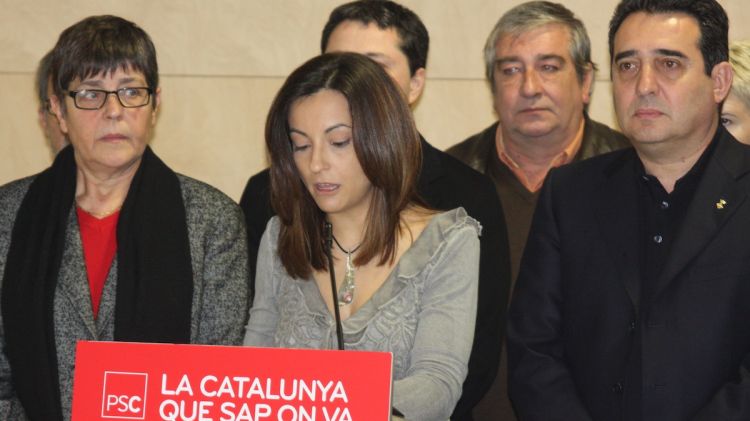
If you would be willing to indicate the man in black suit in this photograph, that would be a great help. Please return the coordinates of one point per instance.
(395, 37)
(632, 298)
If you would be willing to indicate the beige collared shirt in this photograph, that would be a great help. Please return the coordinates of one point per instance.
(527, 178)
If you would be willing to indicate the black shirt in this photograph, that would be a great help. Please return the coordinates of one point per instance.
(660, 216)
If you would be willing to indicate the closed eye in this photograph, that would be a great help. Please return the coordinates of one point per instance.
(299, 148)
(342, 143)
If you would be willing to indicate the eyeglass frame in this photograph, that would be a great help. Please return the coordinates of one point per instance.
(116, 93)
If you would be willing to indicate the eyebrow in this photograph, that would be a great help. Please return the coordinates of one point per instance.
(540, 57)
(292, 130)
(328, 130)
(659, 51)
(670, 53)
(97, 83)
(551, 57)
(337, 126)
(624, 54)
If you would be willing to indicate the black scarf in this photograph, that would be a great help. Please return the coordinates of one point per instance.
(154, 278)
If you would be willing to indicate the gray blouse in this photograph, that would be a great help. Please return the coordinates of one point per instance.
(424, 313)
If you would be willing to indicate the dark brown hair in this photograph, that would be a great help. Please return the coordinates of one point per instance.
(385, 141)
(102, 44)
(414, 41)
(710, 16)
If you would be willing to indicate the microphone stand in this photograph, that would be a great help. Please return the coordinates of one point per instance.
(334, 293)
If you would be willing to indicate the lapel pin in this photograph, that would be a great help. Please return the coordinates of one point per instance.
(721, 203)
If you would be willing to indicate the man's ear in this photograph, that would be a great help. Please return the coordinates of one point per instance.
(587, 83)
(57, 110)
(416, 85)
(157, 103)
(41, 116)
(721, 76)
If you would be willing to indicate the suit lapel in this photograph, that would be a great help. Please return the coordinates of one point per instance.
(431, 171)
(717, 197)
(485, 148)
(617, 214)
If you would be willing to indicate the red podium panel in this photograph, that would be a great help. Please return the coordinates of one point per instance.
(133, 381)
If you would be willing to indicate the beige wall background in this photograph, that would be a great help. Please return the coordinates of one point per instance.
(222, 61)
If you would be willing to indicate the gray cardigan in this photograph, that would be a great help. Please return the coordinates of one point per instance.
(218, 252)
(424, 313)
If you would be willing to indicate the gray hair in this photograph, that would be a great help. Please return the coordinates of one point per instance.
(739, 57)
(532, 15)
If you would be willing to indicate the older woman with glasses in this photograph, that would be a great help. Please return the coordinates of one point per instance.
(109, 243)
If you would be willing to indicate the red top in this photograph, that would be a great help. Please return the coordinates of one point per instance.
(99, 239)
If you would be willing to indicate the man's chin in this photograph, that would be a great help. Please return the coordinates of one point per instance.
(538, 129)
(645, 136)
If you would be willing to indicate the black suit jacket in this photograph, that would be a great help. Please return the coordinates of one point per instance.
(573, 316)
(444, 183)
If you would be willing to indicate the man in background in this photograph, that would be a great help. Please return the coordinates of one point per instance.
(47, 120)
(538, 65)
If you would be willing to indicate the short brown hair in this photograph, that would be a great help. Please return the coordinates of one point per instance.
(385, 141)
(711, 18)
(102, 44)
(414, 41)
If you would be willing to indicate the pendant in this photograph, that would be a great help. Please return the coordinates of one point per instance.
(346, 290)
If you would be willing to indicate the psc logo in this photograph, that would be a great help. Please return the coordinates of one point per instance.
(124, 395)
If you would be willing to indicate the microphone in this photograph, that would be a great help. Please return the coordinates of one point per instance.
(334, 293)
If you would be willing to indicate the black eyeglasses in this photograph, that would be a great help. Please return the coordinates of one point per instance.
(93, 99)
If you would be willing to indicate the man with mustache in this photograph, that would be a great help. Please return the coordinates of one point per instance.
(538, 65)
(631, 302)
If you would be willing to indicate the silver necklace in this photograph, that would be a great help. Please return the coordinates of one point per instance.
(346, 290)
